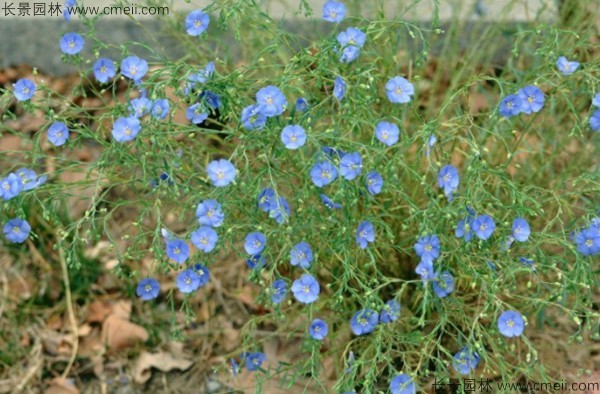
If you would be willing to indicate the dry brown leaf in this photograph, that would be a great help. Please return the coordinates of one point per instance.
(98, 311)
(118, 333)
(61, 386)
(163, 361)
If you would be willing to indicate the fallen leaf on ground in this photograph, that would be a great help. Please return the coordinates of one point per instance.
(118, 333)
(61, 386)
(163, 361)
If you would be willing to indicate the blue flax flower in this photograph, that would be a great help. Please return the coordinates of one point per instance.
(334, 11)
(351, 41)
(464, 229)
(511, 324)
(374, 182)
(329, 203)
(387, 132)
(10, 186)
(255, 243)
(140, 106)
(596, 100)
(267, 199)
(425, 269)
(520, 230)
(318, 329)
(209, 213)
(301, 255)
(430, 144)
(134, 68)
(428, 247)
(301, 105)
(147, 289)
(390, 312)
(196, 22)
(253, 118)
(595, 121)
(160, 108)
(221, 172)
(58, 133)
(205, 238)
(484, 226)
(351, 165)
(323, 173)
(178, 250)
(565, 66)
(254, 360)
(402, 384)
(187, 281)
(104, 70)
(532, 99)
(195, 113)
(71, 43)
(24, 89)
(29, 179)
(588, 241)
(16, 230)
(280, 211)
(272, 100)
(511, 105)
(279, 291)
(399, 90)
(444, 284)
(293, 136)
(126, 129)
(448, 179)
(67, 9)
(364, 321)
(256, 261)
(365, 234)
(339, 88)
(465, 361)
(203, 274)
(306, 289)
(211, 99)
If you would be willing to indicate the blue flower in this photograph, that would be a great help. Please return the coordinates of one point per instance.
(596, 100)
(187, 281)
(301, 105)
(364, 321)
(328, 202)
(306, 289)
(399, 90)
(428, 247)
(209, 213)
(140, 106)
(254, 360)
(205, 238)
(67, 12)
(511, 324)
(24, 89)
(595, 121)
(271, 99)
(160, 108)
(16, 230)
(588, 242)
(430, 144)
(178, 250)
(221, 172)
(365, 234)
(333, 152)
(267, 199)
(483, 226)
(195, 113)
(293, 136)
(301, 255)
(465, 360)
(318, 329)
(527, 262)
(280, 210)
(255, 243)
(126, 129)
(464, 228)
(10, 186)
(374, 182)
(203, 274)
(565, 66)
(511, 105)
(351, 165)
(279, 289)
(387, 132)
(448, 179)
(444, 284)
(390, 312)
(256, 261)
(323, 173)
(253, 118)
(134, 68)
(200, 77)
(339, 88)
(425, 269)
(532, 99)
(351, 41)
(71, 43)
(147, 289)
(196, 22)
(235, 368)
(211, 99)
(334, 11)
(29, 179)
(520, 229)
(402, 384)
(104, 69)
(58, 133)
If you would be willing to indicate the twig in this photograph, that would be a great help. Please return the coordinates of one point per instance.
(65, 274)
(35, 354)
